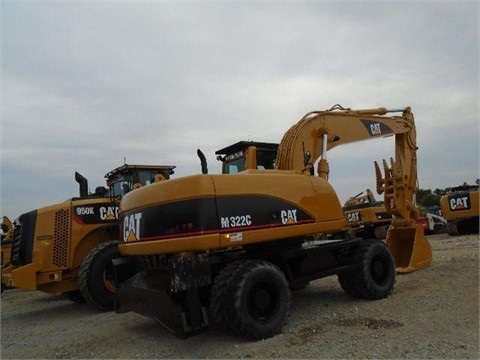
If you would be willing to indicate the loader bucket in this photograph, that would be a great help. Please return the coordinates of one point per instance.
(410, 248)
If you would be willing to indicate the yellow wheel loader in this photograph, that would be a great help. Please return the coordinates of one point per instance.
(66, 247)
(460, 207)
(367, 216)
(228, 248)
(6, 243)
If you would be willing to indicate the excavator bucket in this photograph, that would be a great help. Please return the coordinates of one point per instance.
(409, 247)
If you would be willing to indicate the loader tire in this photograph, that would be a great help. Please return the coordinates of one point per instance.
(95, 278)
(375, 277)
(75, 296)
(252, 298)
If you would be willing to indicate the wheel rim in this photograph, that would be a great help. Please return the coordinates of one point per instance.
(108, 282)
(262, 301)
(379, 270)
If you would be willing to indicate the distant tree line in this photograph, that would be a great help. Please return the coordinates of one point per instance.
(428, 197)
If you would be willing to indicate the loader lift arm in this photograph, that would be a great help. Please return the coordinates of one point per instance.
(319, 131)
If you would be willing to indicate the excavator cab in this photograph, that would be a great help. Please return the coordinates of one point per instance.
(129, 177)
(247, 155)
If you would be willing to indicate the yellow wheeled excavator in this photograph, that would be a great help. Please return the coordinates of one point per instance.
(367, 216)
(228, 248)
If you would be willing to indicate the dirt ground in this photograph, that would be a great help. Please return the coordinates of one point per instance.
(433, 313)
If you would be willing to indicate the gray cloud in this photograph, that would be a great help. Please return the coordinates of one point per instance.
(85, 85)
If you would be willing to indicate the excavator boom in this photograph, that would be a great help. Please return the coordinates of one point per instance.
(319, 131)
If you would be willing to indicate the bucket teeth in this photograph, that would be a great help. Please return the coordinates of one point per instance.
(385, 184)
(405, 238)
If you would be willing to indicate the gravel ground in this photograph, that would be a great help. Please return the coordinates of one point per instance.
(433, 313)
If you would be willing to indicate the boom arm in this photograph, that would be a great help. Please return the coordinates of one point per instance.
(319, 131)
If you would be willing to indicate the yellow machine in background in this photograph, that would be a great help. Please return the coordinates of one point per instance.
(235, 244)
(460, 207)
(66, 247)
(6, 243)
(6, 238)
(367, 216)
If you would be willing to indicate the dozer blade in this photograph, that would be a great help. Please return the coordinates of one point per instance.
(145, 293)
(410, 248)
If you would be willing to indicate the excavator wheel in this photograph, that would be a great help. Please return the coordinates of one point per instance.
(251, 297)
(380, 232)
(375, 276)
(347, 282)
(75, 296)
(95, 279)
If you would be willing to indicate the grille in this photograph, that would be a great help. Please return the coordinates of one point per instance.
(22, 240)
(60, 238)
(15, 257)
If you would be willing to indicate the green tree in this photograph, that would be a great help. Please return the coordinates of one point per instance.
(425, 197)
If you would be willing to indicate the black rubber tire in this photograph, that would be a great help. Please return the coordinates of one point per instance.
(299, 286)
(95, 271)
(439, 228)
(375, 277)
(380, 232)
(75, 296)
(251, 298)
(348, 283)
(452, 229)
(218, 295)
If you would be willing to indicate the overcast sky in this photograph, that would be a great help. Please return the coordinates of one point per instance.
(86, 85)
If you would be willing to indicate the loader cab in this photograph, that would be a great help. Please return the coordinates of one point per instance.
(126, 178)
(245, 155)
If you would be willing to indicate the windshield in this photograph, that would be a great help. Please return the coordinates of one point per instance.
(266, 160)
(234, 166)
(123, 183)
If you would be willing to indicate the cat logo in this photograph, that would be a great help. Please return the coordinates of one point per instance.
(109, 213)
(131, 227)
(376, 128)
(459, 203)
(353, 217)
(289, 216)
